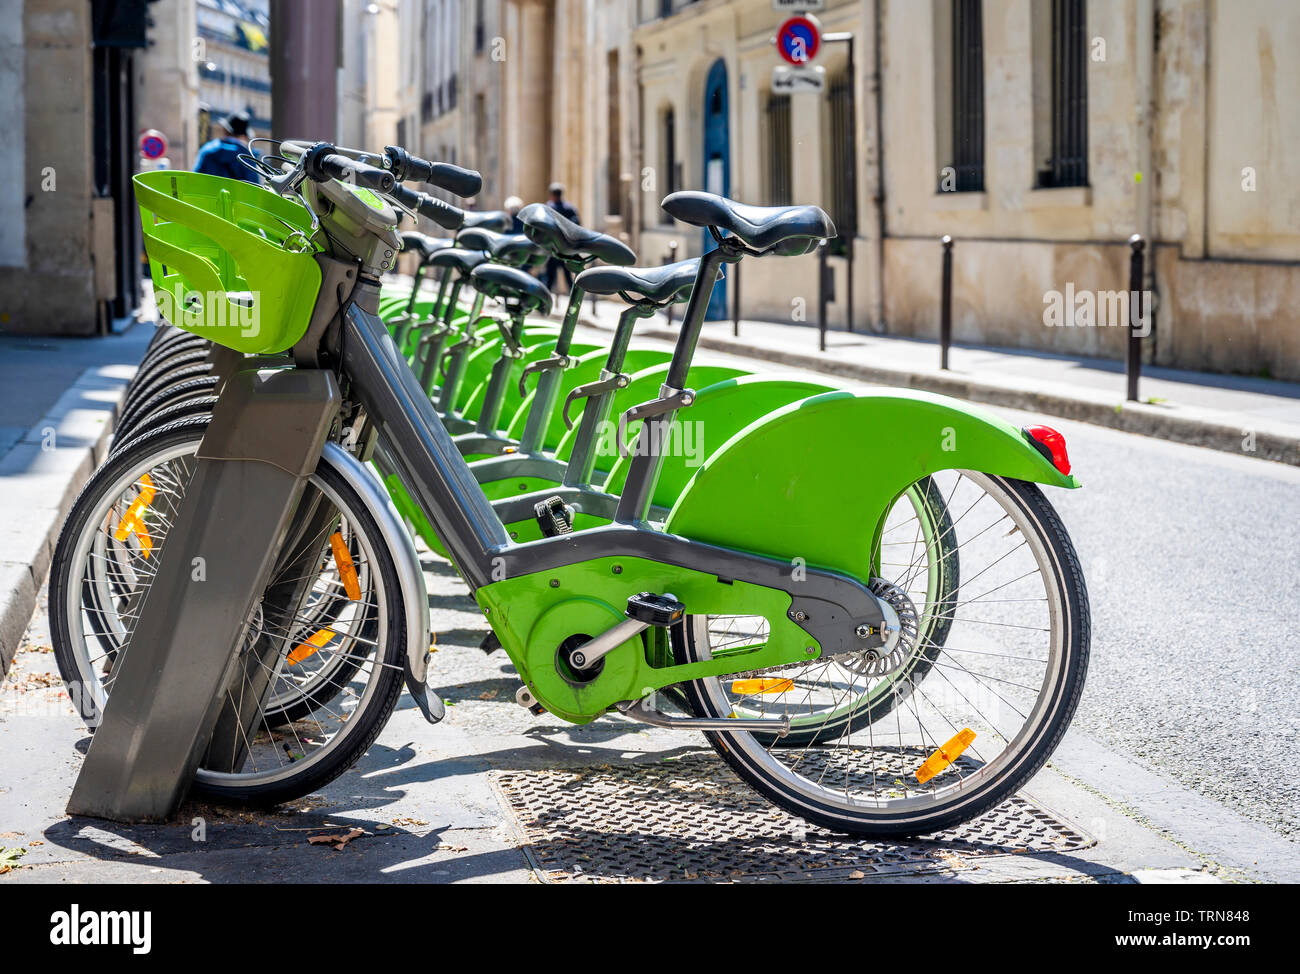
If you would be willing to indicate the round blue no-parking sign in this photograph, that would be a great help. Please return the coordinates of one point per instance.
(798, 40)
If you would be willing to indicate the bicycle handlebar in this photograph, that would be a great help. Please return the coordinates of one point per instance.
(444, 214)
(319, 163)
(454, 179)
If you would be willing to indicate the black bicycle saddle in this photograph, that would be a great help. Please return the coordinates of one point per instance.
(458, 258)
(783, 230)
(551, 229)
(422, 244)
(512, 284)
(658, 285)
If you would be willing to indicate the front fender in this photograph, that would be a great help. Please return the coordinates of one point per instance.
(814, 480)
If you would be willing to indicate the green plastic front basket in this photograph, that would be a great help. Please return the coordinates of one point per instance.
(220, 264)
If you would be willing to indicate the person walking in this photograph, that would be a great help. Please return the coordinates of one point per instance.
(220, 155)
(513, 205)
(567, 210)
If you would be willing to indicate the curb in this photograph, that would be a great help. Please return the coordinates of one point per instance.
(42, 476)
(1180, 424)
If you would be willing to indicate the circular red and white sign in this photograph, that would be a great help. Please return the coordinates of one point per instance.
(153, 144)
(798, 40)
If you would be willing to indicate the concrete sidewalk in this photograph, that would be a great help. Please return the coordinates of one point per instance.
(1237, 414)
(58, 397)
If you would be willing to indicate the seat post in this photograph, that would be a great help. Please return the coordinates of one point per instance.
(693, 318)
(596, 413)
(494, 395)
(643, 472)
(415, 288)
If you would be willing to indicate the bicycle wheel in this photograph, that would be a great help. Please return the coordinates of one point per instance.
(972, 725)
(919, 566)
(338, 668)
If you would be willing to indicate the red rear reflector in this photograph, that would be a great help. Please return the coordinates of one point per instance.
(1053, 446)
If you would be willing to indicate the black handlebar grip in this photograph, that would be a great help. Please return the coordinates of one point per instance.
(454, 179)
(357, 173)
(444, 214)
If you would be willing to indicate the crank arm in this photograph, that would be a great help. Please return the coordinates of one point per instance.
(642, 710)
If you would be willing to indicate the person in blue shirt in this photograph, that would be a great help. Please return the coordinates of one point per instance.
(566, 209)
(220, 156)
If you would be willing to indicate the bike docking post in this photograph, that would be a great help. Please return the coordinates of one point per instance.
(240, 512)
(1136, 271)
(945, 303)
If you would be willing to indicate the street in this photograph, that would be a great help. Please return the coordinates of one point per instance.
(1175, 769)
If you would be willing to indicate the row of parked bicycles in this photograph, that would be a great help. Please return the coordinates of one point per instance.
(864, 600)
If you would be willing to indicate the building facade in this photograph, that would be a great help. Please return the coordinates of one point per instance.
(1040, 135)
(232, 51)
(78, 83)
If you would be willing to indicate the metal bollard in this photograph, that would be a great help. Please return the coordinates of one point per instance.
(735, 302)
(670, 258)
(823, 294)
(1133, 363)
(945, 303)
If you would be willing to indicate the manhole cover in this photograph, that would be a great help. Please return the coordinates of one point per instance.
(692, 820)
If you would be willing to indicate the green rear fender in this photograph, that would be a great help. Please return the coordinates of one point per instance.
(643, 385)
(721, 409)
(813, 480)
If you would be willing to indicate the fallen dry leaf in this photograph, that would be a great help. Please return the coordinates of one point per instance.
(335, 840)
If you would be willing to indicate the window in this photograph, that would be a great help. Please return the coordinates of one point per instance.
(968, 95)
(669, 166)
(1061, 71)
(779, 163)
(841, 175)
(613, 155)
(959, 95)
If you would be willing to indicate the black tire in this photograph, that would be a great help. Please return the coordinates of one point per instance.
(192, 398)
(967, 804)
(149, 382)
(364, 724)
(170, 352)
(155, 365)
(131, 410)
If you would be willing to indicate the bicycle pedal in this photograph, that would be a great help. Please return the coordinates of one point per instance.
(490, 643)
(656, 610)
(554, 517)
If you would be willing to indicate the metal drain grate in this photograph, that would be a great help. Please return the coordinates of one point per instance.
(693, 820)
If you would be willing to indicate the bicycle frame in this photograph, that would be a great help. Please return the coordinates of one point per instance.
(592, 573)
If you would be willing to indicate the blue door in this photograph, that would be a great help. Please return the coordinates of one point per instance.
(717, 165)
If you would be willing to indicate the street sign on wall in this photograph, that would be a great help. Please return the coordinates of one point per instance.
(798, 40)
(789, 81)
(797, 6)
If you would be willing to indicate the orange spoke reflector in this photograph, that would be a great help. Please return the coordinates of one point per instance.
(318, 640)
(945, 756)
(762, 686)
(347, 570)
(132, 520)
